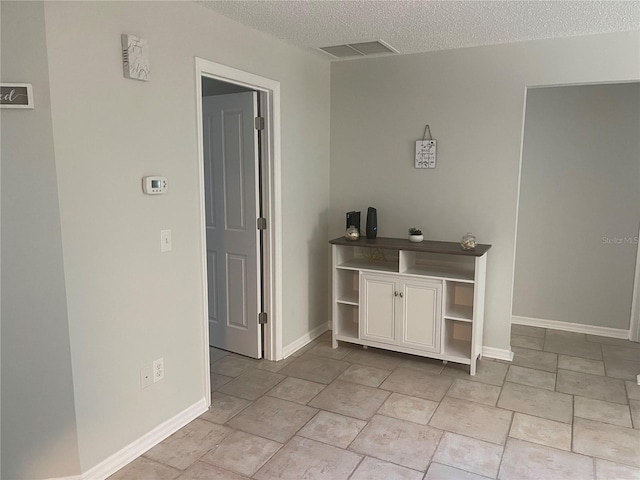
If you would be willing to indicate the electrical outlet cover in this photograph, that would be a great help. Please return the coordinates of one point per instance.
(158, 370)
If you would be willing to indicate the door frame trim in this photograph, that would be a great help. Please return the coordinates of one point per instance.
(634, 322)
(272, 259)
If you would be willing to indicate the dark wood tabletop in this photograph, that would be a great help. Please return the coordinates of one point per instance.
(429, 246)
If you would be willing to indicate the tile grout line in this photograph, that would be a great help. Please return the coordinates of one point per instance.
(390, 462)
(435, 450)
(471, 438)
(357, 466)
(504, 449)
(454, 379)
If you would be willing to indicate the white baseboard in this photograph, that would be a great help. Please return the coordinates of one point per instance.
(497, 353)
(303, 340)
(72, 477)
(571, 327)
(132, 451)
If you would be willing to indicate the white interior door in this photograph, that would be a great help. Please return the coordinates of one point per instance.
(231, 197)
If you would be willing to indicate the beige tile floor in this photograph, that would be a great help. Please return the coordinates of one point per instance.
(567, 407)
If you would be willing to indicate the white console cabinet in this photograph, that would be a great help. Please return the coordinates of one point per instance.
(420, 298)
(400, 310)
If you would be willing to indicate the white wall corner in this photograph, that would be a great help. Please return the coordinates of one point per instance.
(136, 448)
(304, 340)
(498, 353)
(571, 327)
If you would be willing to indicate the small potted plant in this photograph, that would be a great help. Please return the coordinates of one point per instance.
(415, 235)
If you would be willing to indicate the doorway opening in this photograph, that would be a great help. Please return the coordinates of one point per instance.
(240, 210)
(578, 210)
(232, 158)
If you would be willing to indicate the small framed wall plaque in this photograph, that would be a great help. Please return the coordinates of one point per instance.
(426, 150)
(16, 95)
(425, 154)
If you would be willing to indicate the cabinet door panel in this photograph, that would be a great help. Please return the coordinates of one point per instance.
(421, 315)
(377, 315)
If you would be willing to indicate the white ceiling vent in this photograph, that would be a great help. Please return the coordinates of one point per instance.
(341, 51)
(359, 49)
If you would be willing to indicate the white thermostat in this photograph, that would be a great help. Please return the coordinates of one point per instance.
(154, 185)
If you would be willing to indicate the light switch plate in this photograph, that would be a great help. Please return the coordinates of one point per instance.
(165, 240)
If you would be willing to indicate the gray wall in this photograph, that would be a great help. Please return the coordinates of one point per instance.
(579, 201)
(39, 437)
(473, 99)
(128, 303)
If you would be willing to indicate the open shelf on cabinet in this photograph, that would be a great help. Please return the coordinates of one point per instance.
(447, 267)
(347, 284)
(362, 264)
(367, 258)
(459, 349)
(459, 301)
(457, 339)
(438, 272)
(461, 313)
(350, 298)
(346, 325)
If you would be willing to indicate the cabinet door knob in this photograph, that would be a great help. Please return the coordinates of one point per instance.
(401, 294)
(395, 294)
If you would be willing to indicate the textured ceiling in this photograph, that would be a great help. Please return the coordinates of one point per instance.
(425, 25)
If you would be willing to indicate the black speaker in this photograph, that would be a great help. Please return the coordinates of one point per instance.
(353, 218)
(372, 222)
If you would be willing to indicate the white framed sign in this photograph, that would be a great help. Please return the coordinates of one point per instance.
(16, 95)
(426, 154)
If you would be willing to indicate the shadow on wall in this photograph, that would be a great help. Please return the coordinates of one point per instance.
(318, 283)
